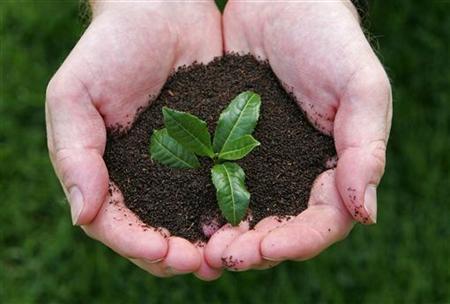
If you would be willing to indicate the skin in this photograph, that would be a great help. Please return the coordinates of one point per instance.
(319, 52)
(124, 57)
(316, 49)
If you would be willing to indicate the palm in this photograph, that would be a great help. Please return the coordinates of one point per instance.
(133, 57)
(123, 58)
(324, 59)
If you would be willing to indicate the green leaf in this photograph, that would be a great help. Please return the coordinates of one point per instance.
(188, 130)
(238, 148)
(232, 195)
(168, 151)
(237, 120)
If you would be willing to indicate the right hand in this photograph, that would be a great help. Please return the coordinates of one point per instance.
(125, 56)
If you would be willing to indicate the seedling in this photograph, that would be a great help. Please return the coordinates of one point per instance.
(185, 137)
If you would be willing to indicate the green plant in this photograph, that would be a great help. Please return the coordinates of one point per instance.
(185, 136)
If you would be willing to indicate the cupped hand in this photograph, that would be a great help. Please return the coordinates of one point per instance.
(319, 52)
(125, 56)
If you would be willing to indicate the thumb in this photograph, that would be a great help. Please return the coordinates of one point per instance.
(361, 132)
(76, 138)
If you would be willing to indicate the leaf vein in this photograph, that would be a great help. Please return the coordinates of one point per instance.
(187, 131)
(237, 121)
(232, 192)
(173, 154)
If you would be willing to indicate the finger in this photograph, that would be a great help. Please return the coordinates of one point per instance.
(76, 141)
(210, 227)
(119, 229)
(266, 264)
(220, 240)
(182, 257)
(244, 251)
(205, 271)
(155, 269)
(361, 131)
(323, 223)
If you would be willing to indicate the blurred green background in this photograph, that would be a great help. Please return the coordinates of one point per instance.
(402, 259)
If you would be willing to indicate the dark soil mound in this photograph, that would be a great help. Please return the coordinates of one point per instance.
(279, 173)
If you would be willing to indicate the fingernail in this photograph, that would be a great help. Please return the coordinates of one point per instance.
(271, 259)
(370, 202)
(76, 202)
(173, 271)
(153, 261)
(234, 269)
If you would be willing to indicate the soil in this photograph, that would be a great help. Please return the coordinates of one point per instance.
(279, 173)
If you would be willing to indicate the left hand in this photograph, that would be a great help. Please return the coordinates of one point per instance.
(318, 51)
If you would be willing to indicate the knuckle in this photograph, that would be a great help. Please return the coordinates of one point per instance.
(382, 82)
(53, 90)
(379, 80)
(378, 153)
(64, 89)
(62, 163)
(371, 80)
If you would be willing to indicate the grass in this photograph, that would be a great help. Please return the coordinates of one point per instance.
(403, 259)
